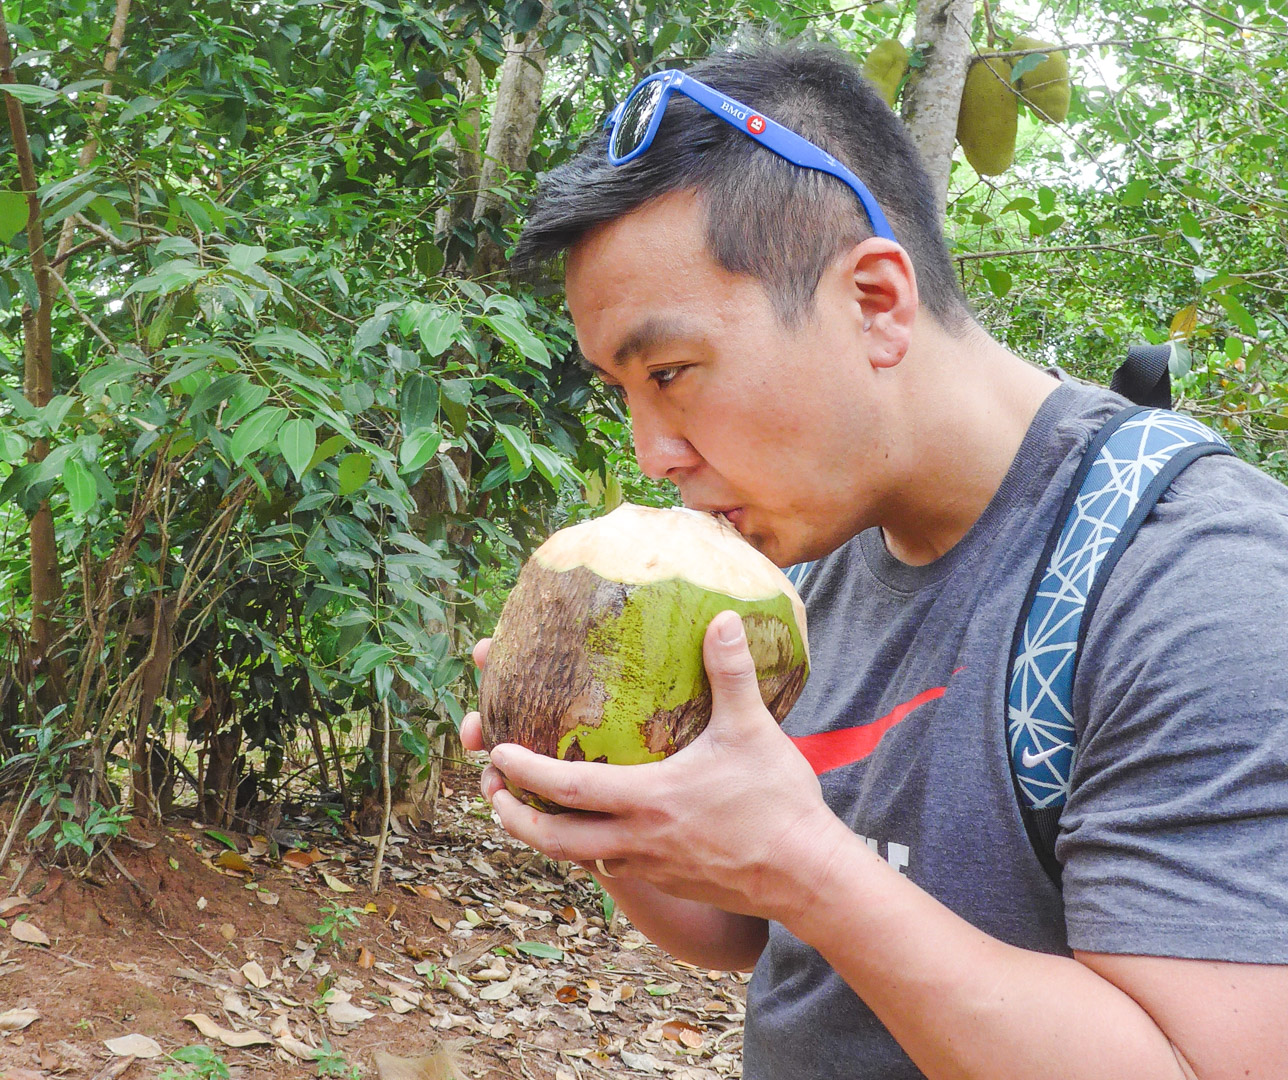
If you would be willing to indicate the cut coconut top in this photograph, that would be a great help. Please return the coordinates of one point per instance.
(637, 545)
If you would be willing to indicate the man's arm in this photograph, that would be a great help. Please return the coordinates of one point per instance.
(737, 821)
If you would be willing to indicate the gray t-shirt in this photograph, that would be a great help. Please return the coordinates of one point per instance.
(1174, 841)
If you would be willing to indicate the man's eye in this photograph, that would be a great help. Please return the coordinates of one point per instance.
(665, 376)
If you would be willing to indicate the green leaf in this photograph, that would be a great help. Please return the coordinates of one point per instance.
(222, 838)
(247, 399)
(518, 335)
(662, 989)
(518, 449)
(417, 449)
(436, 326)
(297, 440)
(13, 447)
(418, 402)
(329, 448)
(353, 472)
(255, 432)
(541, 949)
(292, 341)
(367, 656)
(168, 277)
(13, 214)
(223, 388)
(31, 95)
(82, 492)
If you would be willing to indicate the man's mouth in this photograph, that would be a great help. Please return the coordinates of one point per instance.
(733, 515)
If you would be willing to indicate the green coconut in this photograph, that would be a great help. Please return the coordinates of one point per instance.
(597, 655)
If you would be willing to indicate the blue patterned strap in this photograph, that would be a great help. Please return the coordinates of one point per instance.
(798, 573)
(1126, 468)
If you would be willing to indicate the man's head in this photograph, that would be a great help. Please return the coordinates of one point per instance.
(765, 217)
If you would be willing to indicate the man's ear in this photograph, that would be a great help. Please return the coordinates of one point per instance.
(883, 290)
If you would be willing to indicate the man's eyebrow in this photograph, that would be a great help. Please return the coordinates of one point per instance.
(649, 334)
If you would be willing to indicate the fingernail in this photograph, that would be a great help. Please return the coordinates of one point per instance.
(730, 629)
(498, 758)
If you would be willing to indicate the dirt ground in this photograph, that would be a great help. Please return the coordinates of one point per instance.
(279, 960)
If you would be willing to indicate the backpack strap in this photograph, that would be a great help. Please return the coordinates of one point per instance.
(798, 572)
(1127, 466)
(1145, 377)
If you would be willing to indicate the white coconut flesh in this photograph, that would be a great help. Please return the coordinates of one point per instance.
(640, 545)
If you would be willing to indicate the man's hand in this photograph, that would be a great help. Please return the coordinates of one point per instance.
(735, 820)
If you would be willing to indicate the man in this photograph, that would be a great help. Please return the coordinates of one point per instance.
(795, 355)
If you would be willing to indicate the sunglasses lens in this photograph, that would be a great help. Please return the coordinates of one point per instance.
(632, 125)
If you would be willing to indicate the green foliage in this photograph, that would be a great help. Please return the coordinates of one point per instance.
(205, 1064)
(334, 921)
(332, 1062)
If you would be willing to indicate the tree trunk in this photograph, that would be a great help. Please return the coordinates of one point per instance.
(514, 121)
(464, 194)
(38, 383)
(932, 101)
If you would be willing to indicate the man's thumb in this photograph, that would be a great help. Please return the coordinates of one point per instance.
(729, 665)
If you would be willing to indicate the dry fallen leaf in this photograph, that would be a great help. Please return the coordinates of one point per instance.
(335, 884)
(441, 923)
(139, 1046)
(436, 1065)
(346, 1012)
(17, 1019)
(365, 957)
(227, 931)
(230, 860)
(211, 1030)
(302, 860)
(29, 933)
(683, 1033)
(254, 975)
(11, 903)
(269, 898)
(297, 1049)
(122, 968)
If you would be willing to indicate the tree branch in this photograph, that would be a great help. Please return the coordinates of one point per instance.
(115, 38)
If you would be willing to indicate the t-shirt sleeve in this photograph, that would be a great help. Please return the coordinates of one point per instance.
(1175, 836)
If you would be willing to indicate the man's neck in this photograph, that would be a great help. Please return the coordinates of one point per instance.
(968, 403)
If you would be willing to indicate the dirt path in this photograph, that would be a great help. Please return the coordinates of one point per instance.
(477, 947)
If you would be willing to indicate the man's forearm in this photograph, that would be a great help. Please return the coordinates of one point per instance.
(963, 1004)
(690, 931)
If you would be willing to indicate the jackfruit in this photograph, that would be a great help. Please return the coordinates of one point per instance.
(885, 68)
(989, 117)
(1046, 88)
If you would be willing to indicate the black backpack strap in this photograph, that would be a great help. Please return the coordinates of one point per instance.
(1145, 377)
(1127, 466)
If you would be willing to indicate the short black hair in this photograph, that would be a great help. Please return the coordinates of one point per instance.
(766, 217)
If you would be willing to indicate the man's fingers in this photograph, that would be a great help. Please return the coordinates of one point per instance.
(490, 782)
(481, 648)
(572, 837)
(472, 731)
(730, 668)
(577, 785)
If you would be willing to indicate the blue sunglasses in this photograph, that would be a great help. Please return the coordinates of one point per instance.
(635, 121)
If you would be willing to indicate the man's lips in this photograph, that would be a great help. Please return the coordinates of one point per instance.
(732, 514)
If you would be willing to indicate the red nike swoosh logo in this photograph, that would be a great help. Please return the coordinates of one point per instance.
(831, 749)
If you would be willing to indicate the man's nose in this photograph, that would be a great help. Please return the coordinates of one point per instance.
(660, 449)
